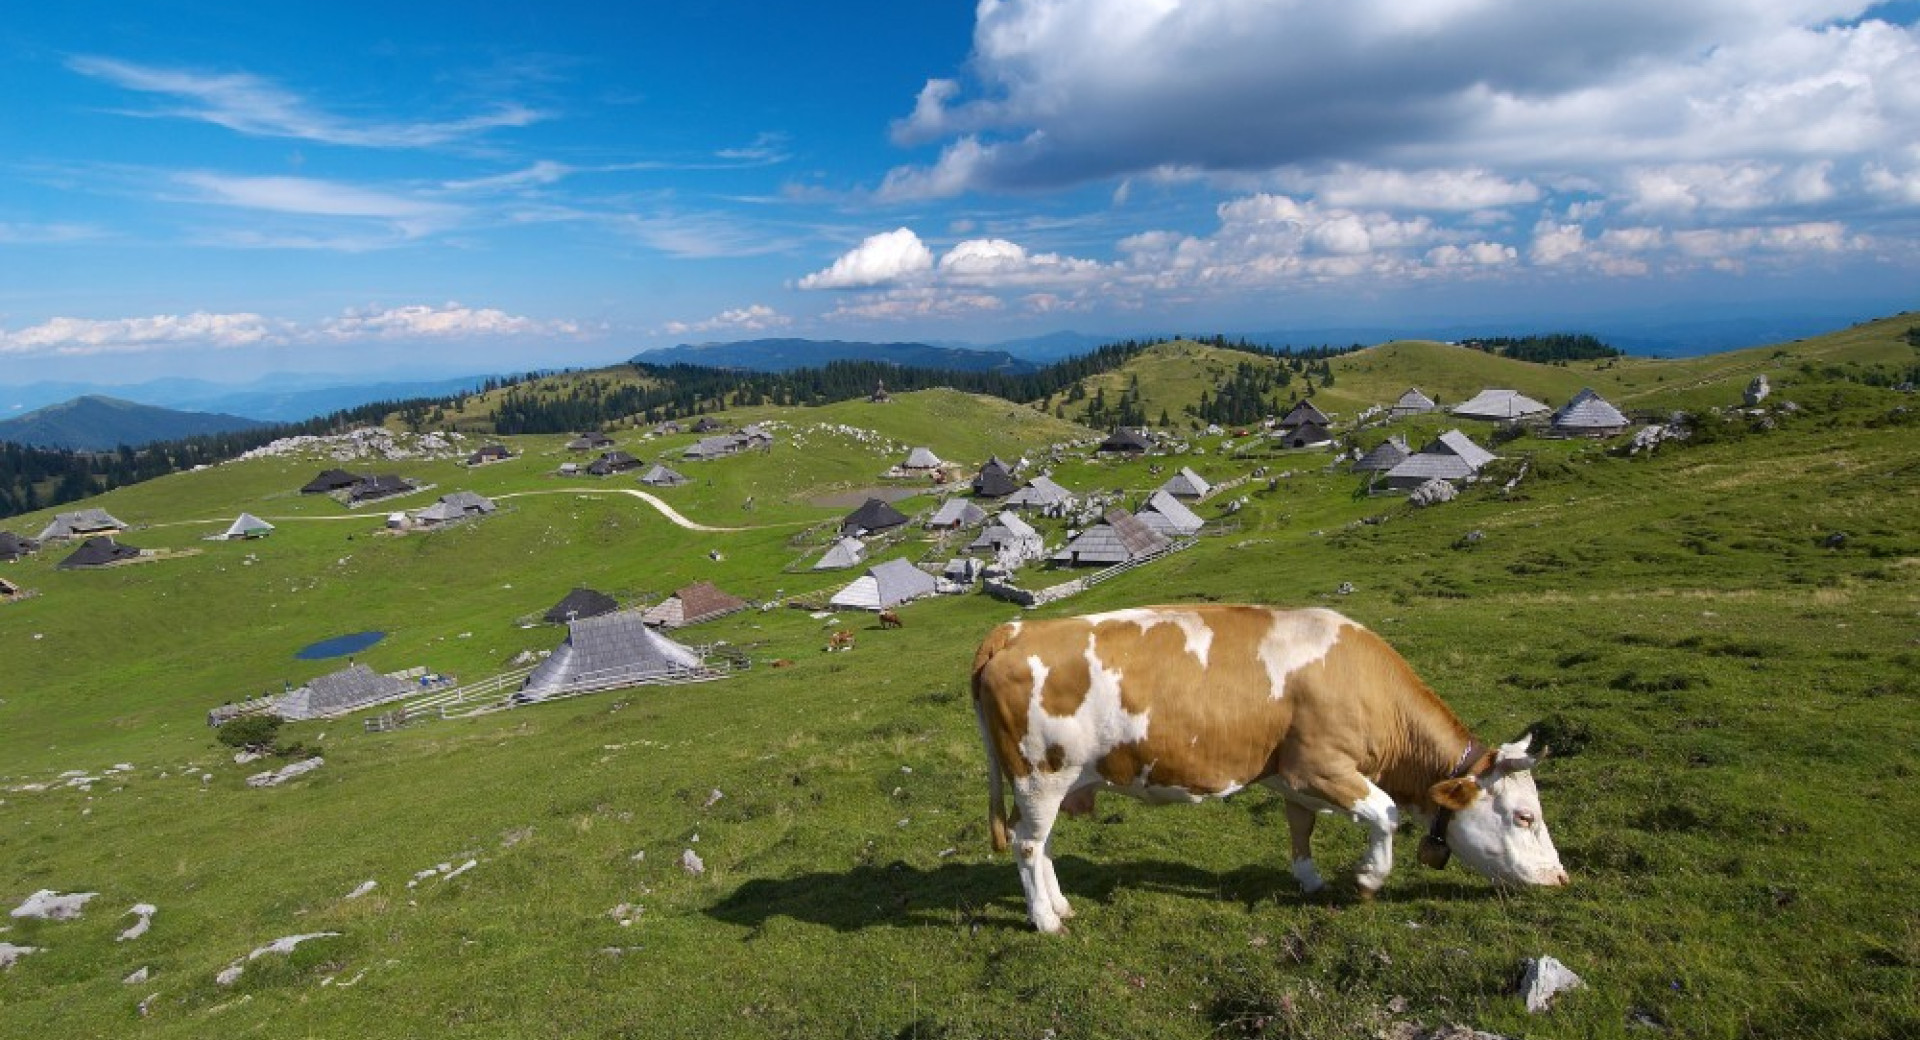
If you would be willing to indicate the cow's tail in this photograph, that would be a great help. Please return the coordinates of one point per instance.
(996, 805)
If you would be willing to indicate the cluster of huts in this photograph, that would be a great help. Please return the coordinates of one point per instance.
(358, 489)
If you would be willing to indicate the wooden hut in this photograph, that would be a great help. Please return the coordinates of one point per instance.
(580, 603)
(1589, 415)
(884, 586)
(954, 514)
(1452, 456)
(1498, 406)
(1187, 484)
(661, 476)
(608, 652)
(1123, 538)
(1413, 402)
(700, 601)
(99, 552)
(348, 690)
(873, 515)
(1168, 515)
(82, 523)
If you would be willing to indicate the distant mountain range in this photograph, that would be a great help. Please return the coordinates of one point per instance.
(783, 355)
(95, 423)
(282, 397)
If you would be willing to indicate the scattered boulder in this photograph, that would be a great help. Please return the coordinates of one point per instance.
(1345, 589)
(691, 863)
(713, 799)
(136, 978)
(145, 912)
(1432, 493)
(363, 889)
(1544, 979)
(10, 953)
(1757, 390)
(283, 946)
(48, 905)
(280, 776)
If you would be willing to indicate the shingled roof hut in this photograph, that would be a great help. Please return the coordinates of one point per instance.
(1187, 484)
(351, 688)
(1040, 493)
(921, 460)
(1123, 538)
(12, 546)
(874, 514)
(1168, 515)
(1305, 435)
(1413, 402)
(1498, 406)
(844, 553)
(1589, 415)
(489, 453)
(580, 603)
(700, 601)
(246, 525)
(330, 480)
(592, 440)
(81, 523)
(456, 506)
(608, 652)
(612, 462)
(1452, 456)
(995, 480)
(956, 513)
(1384, 456)
(1011, 540)
(661, 476)
(373, 489)
(1304, 412)
(99, 552)
(1126, 439)
(885, 585)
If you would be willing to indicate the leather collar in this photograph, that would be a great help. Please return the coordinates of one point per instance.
(1433, 848)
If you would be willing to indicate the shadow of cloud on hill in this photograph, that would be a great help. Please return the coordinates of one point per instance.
(897, 895)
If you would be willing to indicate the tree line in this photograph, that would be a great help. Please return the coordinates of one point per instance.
(1546, 348)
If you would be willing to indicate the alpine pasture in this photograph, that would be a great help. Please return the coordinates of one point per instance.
(1729, 690)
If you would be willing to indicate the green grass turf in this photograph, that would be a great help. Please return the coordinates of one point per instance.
(1731, 703)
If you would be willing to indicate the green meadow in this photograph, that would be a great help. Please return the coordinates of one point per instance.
(1728, 687)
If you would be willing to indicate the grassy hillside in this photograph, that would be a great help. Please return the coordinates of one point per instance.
(1728, 689)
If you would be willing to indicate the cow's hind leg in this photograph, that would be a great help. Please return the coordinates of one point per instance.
(1300, 820)
(1039, 796)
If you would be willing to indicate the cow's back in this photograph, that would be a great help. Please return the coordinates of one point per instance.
(1181, 698)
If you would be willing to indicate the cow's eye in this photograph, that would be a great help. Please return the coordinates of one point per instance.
(1523, 818)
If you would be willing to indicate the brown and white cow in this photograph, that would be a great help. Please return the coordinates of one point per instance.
(1183, 703)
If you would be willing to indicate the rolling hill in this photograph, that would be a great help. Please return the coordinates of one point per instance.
(95, 423)
(1726, 686)
(781, 355)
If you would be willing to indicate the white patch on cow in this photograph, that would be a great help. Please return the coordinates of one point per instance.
(1308, 876)
(1379, 815)
(1191, 624)
(1099, 725)
(1297, 639)
(1305, 801)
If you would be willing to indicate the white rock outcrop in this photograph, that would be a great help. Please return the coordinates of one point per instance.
(1545, 979)
(280, 776)
(48, 905)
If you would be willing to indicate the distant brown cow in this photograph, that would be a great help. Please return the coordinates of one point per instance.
(840, 640)
(889, 619)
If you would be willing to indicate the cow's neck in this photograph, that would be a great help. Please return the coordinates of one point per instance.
(1432, 745)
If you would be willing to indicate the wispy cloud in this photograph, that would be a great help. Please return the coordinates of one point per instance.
(248, 104)
(766, 150)
(75, 337)
(47, 234)
(755, 317)
(411, 217)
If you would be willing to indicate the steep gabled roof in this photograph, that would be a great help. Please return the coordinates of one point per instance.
(1588, 412)
(1413, 402)
(1187, 484)
(99, 552)
(847, 552)
(581, 603)
(1456, 443)
(1384, 456)
(995, 480)
(247, 524)
(489, 453)
(1306, 434)
(353, 687)
(1123, 537)
(957, 512)
(661, 476)
(330, 480)
(922, 458)
(1168, 515)
(79, 524)
(1305, 412)
(885, 585)
(1499, 405)
(612, 462)
(383, 486)
(1125, 439)
(1040, 491)
(873, 515)
(1450, 456)
(606, 652)
(701, 601)
(1006, 529)
(12, 546)
(589, 441)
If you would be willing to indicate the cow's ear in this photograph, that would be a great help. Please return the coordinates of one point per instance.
(1455, 794)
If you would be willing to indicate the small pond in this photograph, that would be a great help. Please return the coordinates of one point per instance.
(339, 646)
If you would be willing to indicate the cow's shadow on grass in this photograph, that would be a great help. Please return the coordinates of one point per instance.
(976, 895)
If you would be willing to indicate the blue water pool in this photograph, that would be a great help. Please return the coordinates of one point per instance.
(339, 646)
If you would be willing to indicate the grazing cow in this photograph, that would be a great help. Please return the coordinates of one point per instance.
(840, 640)
(889, 619)
(1182, 703)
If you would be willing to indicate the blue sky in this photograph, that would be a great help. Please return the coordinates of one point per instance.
(221, 190)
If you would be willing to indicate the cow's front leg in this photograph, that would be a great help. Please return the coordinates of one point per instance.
(1300, 820)
(1380, 816)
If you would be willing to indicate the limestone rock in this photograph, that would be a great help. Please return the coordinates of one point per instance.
(1432, 493)
(1546, 978)
(48, 905)
(280, 776)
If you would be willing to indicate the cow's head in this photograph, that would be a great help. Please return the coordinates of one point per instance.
(1496, 826)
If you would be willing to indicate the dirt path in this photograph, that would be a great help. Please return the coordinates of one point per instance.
(672, 514)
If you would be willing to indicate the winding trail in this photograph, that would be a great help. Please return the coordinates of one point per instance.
(665, 510)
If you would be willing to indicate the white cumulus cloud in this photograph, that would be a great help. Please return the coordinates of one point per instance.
(80, 336)
(423, 321)
(755, 317)
(881, 259)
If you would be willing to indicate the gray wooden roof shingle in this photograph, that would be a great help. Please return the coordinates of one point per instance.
(1384, 456)
(1040, 491)
(1168, 515)
(922, 458)
(885, 585)
(351, 688)
(1588, 412)
(957, 512)
(847, 552)
(1305, 412)
(1187, 484)
(1123, 537)
(79, 523)
(873, 515)
(1499, 405)
(581, 603)
(605, 652)
(661, 476)
(1413, 402)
